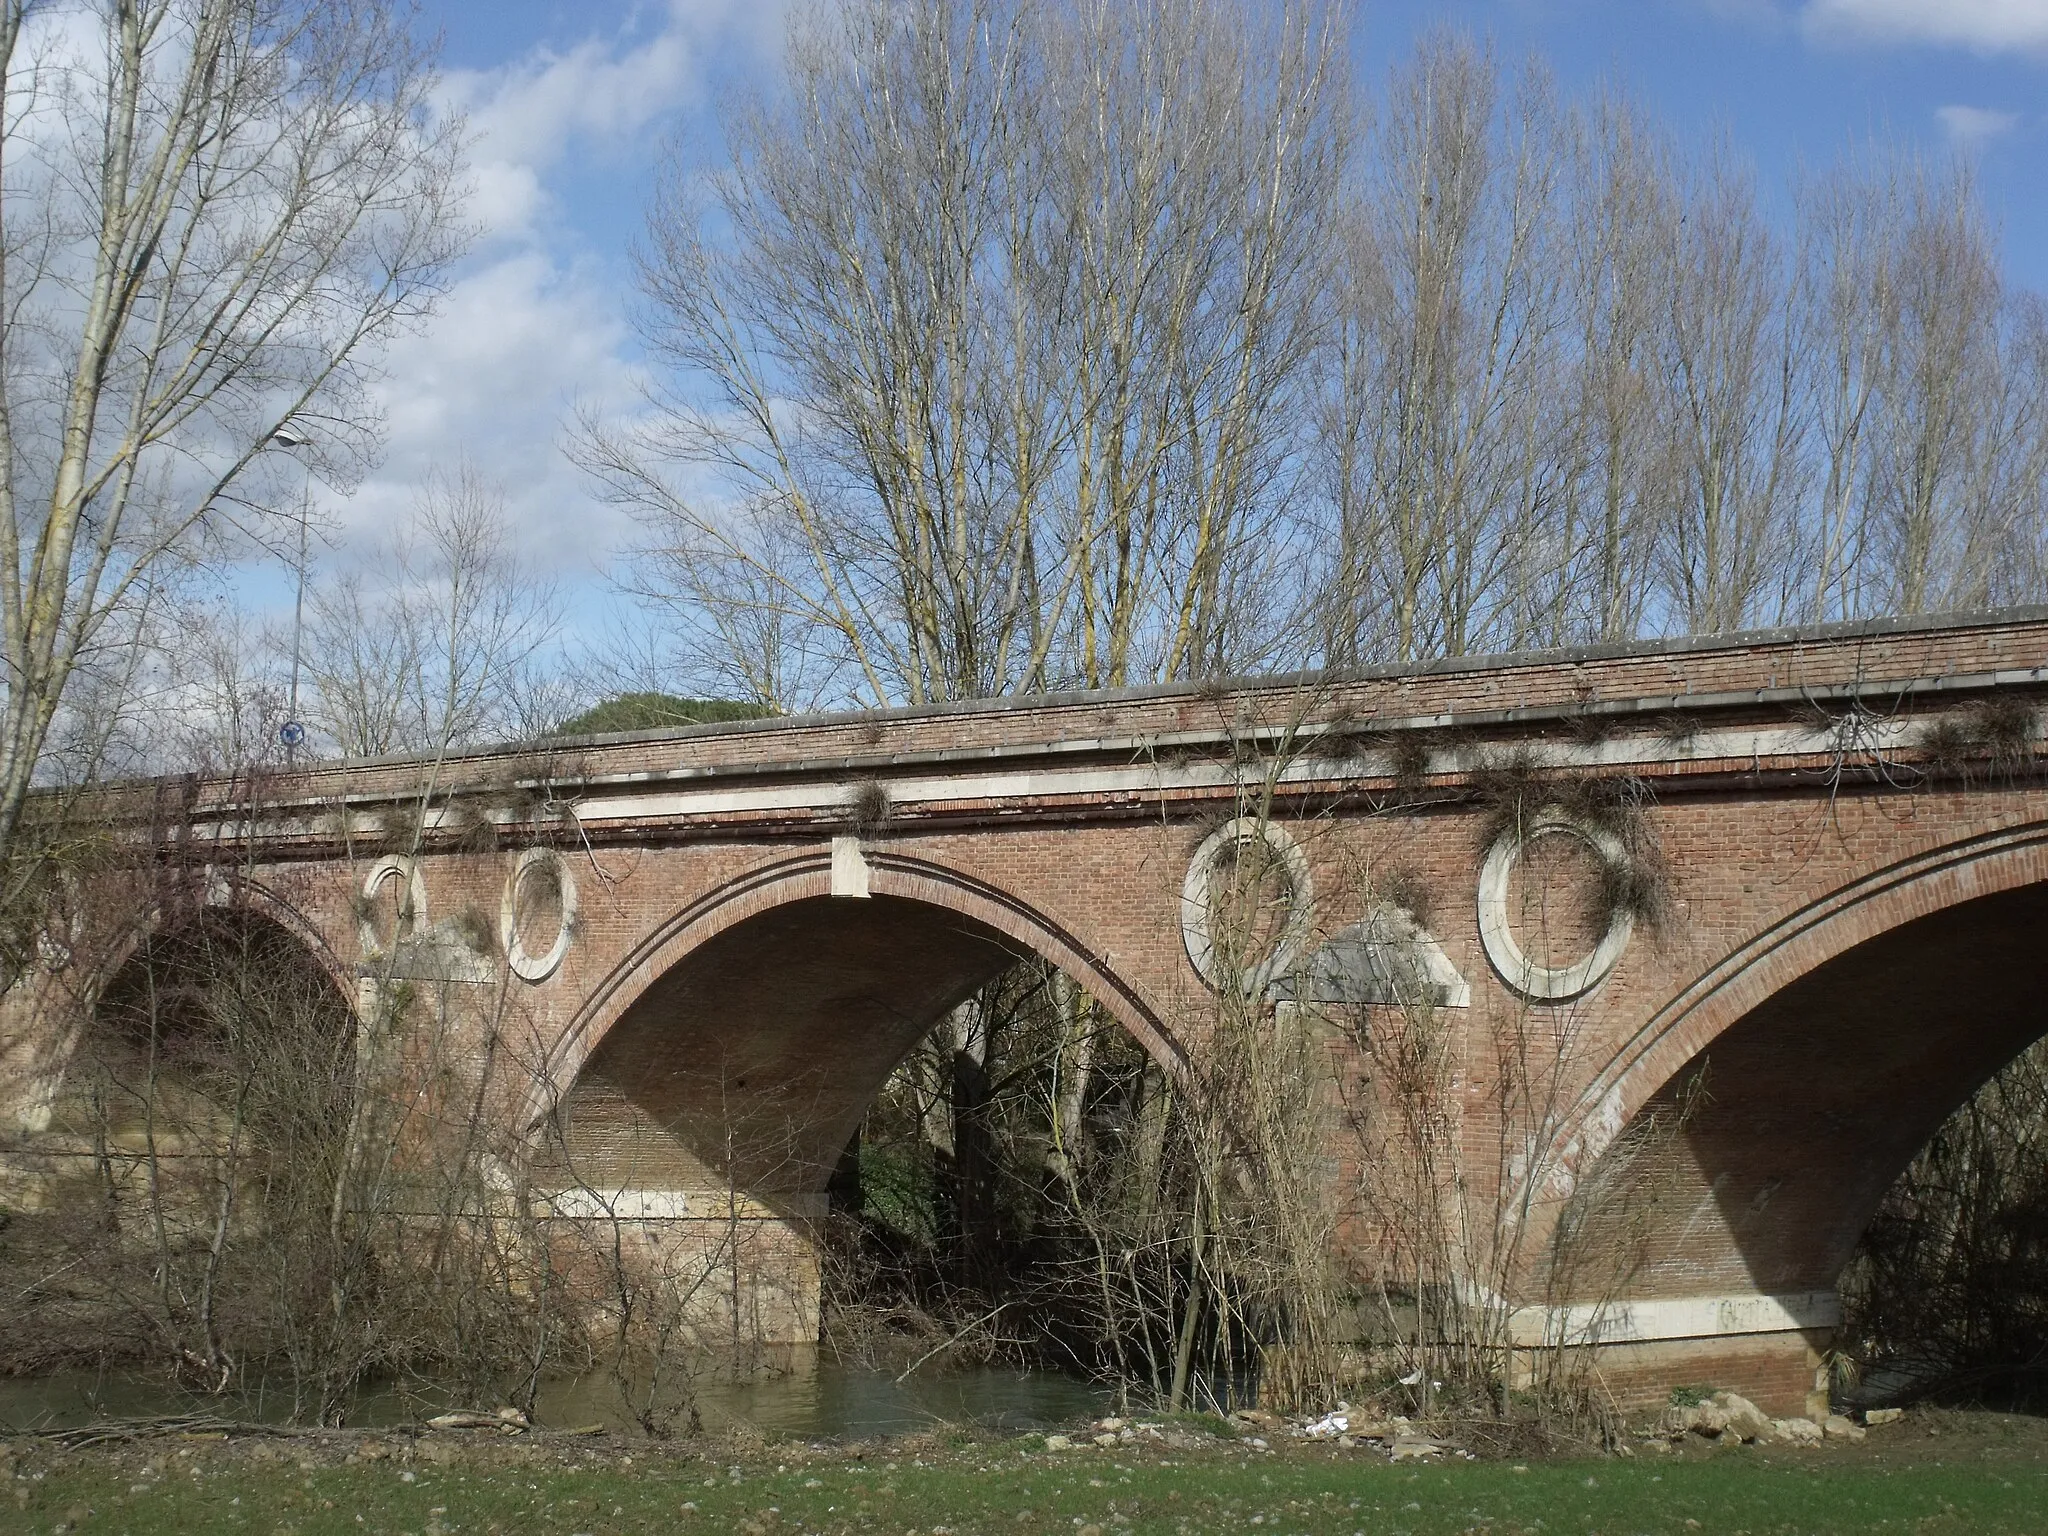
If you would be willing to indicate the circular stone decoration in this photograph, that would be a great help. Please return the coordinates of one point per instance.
(1226, 843)
(412, 902)
(536, 867)
(1546, 983)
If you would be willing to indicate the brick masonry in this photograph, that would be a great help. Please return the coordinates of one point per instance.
(1851, 943)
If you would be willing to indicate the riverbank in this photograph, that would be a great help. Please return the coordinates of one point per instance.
(1932, 1472)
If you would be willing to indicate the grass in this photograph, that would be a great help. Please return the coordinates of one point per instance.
(558, 1488)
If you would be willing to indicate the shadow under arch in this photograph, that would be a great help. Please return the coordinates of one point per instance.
(744, 1039)
(1743, 1141)
(219, 897)
(244, 965)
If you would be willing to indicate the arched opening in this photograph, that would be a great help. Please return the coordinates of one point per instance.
(752, 1060)
(830, 1096)
(221, 1037)
(1751, 1173)
(198, 1132)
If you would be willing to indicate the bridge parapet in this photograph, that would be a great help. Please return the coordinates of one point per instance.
(1700, 709)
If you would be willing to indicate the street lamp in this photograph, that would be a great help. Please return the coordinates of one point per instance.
(293, 732)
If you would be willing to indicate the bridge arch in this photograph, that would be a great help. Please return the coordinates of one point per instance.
(184, 900)
(745, 1037)
(185, 1010)
(1742, 1139)
(48, 1014)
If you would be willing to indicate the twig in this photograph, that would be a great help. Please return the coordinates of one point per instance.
(946, 1344)
(113, 1431)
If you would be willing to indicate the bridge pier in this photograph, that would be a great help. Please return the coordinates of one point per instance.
(39, 1022)
(1784, 1374)
(724, 1277)
(1771, 1349)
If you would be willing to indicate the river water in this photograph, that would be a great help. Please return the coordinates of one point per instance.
(830, 1402)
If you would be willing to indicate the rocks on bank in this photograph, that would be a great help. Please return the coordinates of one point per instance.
(1396, 1437)
(1727, 1418)
(1730, 1418)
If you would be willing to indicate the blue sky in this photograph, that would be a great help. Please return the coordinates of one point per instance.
(572, 103)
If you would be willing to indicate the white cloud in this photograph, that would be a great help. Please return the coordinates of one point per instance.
(597, 98)
(529, 116)
(530, 111)
(515, 342)
(1974, 125)
(1988, 25)
(535, 318)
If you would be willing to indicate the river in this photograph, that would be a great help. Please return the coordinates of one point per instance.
(831, 1402)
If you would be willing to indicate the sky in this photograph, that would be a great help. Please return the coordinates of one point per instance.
(573, 105)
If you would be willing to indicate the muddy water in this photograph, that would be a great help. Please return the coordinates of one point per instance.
(829, 1403)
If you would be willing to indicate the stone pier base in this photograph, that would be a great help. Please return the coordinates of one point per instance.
(1770, 1349)
(1784, 1374)
(728, 1277)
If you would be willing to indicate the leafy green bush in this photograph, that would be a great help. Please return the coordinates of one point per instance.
(656, 712)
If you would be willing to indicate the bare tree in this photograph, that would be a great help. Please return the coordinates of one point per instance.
(1437, 447)
(1731, 408)
(1924, 390)
(2016, 557)
(1029, 345)
(1000, 322)
(1935, 483)
(1849, 295)
(848, 331)
(1622, 209)
(1196, 164)
(225, 694)
(213, 209)
(441, 651)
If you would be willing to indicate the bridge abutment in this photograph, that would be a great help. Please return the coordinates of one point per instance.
(706, 1274)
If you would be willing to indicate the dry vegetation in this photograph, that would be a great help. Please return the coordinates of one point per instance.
(1948, 1292)
(249, 1178)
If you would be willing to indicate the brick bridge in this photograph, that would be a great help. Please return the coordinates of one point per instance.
(751, 924)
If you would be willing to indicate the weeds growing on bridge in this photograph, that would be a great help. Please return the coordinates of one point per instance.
(1515, 788)
(1992, 737)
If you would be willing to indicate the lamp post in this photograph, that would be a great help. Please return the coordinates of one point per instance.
(293, 732)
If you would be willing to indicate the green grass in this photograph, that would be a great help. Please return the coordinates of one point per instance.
(991, 1488)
